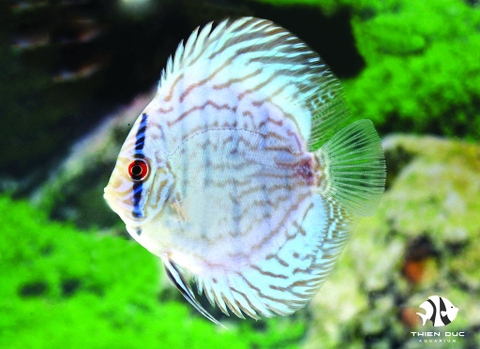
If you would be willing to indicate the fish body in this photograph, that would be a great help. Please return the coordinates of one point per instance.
(439, 310)
(242, 173)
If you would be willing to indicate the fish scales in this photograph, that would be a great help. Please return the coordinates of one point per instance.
(236, 172)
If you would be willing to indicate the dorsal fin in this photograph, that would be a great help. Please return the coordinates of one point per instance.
(304, 88)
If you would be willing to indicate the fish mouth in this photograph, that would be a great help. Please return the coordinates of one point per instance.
(121, 209)
(110, 198)
(124, 209)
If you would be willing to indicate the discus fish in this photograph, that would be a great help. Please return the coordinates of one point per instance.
(241, 172)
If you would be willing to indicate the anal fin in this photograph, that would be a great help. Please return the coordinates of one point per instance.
(183, 286)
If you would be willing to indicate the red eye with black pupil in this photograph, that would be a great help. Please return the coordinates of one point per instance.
(138, 170)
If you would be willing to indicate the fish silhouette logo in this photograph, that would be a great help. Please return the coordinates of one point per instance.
(439, 310)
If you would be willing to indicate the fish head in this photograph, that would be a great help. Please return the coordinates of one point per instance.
(141, 181)
(451, 311)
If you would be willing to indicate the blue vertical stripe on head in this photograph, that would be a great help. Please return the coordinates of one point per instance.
(138, 186)
(140, 137)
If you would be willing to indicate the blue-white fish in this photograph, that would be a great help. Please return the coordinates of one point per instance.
(240, 172)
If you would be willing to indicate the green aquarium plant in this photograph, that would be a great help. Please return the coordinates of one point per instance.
(63, 288)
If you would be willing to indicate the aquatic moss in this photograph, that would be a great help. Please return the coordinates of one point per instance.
(61, 288)
(422, 72)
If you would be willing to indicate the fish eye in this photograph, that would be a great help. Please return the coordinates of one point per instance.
(138, 170)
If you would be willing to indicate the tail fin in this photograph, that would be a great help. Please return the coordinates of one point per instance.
(354, 168)
(424, 318)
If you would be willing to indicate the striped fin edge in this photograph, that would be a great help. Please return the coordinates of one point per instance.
(182, 285)
(313, 85)
(278, 284)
